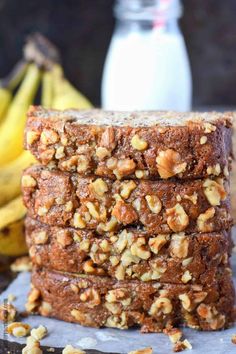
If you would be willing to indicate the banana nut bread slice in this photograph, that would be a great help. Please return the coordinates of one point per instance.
(130, 253)
(131, 144)
(101, 301)
(162, 206)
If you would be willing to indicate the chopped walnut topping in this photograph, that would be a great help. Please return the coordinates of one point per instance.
(91, 297)
(102, 152)
(169, 163)
(59, 152)
(177, 219)
(18, 329)
(208, 128)
(156, 243)
(226, 171)
(64, 237)
(28, 181)
(193, 198)
(186, 277)
(214, 192)
(109, 226)
(179, 245)
(147, 350)
(124, 213)
(187, 261)
(125, 167)
(42, 210)
(137, 204)
(174, 334)
(214, 170)
(93, 210)
(111, 163)
(48, 137)
(108, 139)
(138, 249)
(82, 163)
(120, 272)
(99, 187)
(186, 302)
(45, 308)
(117, 321)
(161, 305)
(68, 206)
(7, 313)
(141, 174)
(126, 188)
(138, 143)
(78, 221)
(154, 203)
(203, 220)
(34, 295)
(74, 288)
(203, 140)
(40, 237)
(71, 350)
(31, 137)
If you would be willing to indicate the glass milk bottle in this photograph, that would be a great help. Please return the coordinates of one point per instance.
(147, 65)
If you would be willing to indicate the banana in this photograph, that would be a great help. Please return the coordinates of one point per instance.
(10, 176)
(11, 130)
(12, 239)
(65, 94)
(8, 84)
(11, 212)
(47, 89)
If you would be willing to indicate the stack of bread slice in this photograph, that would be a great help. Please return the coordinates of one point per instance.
(129, 218)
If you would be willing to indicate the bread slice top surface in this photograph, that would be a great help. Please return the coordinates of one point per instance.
(136, 119)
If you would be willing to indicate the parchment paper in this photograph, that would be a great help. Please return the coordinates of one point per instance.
(113, 340)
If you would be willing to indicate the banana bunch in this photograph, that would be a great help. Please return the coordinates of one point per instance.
(37, 69)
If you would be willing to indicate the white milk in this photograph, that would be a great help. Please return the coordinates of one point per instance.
(147, 69)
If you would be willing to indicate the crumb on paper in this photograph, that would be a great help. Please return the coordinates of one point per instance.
(71, 350)
(21, 264)
(39, 332)
(7, 313)
(180, 346)
(233, 339)
(32, 346)
(18, 329)
(174, 334)
(51, 350)
(147, 350)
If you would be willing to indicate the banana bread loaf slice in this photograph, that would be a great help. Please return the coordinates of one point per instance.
(131, 144)
(100, 301)
(66, 199)
(130, 254)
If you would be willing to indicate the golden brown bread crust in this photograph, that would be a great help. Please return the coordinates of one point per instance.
(61, 198)
(144, 145)
(100, 301)
(129, 254)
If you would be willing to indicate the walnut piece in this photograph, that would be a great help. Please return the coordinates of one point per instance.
(40, 237)
(108, 139)
(125, 167)
(138, 143)
(31, 137)
(28, 181)
(126, 188)
(177, 219)
(18, 329)
(214, 192)
(99, 187)
(71, 350)
(169, 163)
(161, 305)
(203, 220)
(154, 203)
(174, 334)
(7, 313)
(91, 297)
(124, 213)
(179, 245)
(39, 332)
(48, 136)
(156, 243)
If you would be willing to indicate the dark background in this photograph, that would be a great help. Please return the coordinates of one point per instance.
(82, 30)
